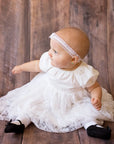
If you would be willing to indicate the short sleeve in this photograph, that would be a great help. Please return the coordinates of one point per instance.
(45, 64)
(86, 75)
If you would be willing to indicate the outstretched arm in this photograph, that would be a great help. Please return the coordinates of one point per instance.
(32, 66)
(96, 95)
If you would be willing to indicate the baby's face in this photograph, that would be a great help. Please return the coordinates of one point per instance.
(59, 57)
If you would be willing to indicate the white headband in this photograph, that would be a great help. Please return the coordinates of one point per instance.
(66, 47)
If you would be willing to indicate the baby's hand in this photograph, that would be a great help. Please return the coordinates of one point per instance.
(96, 102)
(16, 69)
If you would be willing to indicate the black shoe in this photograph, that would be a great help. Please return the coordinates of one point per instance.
(99, 132)
(13, 128)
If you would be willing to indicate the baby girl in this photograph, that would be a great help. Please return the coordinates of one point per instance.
(64, 95)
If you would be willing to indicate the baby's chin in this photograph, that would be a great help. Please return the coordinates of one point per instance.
(53, 64)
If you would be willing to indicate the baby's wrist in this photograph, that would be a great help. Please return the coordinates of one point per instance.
(96, 96)
(21, 67)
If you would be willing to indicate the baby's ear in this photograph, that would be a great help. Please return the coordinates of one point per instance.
(75, 59)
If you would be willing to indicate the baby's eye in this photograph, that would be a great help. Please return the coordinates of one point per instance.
(55, 51)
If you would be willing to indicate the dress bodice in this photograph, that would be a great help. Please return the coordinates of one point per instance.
(81, 77)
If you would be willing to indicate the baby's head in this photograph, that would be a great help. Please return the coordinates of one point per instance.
(71, 43)
(76, 39)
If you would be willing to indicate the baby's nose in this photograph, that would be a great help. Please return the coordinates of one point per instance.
(50, 54)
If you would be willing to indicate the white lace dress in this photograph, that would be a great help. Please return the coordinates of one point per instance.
(56, 100)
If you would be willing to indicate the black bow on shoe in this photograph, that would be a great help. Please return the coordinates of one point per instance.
(13, 128)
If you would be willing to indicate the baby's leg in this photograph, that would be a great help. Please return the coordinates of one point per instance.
(18, 125)
(97, 131)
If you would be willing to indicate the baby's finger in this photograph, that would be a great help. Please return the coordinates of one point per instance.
(97, 104)
(14, 72)
(98, 107)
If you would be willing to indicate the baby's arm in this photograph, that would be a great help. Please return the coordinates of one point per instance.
(96, 95)
(32, 66)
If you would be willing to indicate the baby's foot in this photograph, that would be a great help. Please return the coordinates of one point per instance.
(14, 127)
(99, 132)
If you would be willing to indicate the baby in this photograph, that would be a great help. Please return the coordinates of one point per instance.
(64, 95)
